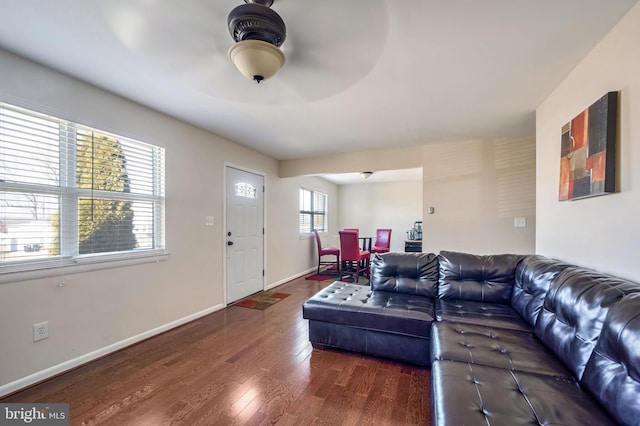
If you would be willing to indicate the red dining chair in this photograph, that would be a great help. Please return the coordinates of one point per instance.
(383, 241)
(350, 251)
(327, 251)
(356, 230)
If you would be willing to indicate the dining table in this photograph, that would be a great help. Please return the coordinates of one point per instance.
(366, 243)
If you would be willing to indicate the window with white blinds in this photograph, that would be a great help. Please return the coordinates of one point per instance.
(313, 211)
(68, 191)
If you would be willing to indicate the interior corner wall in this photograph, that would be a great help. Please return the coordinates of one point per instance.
(97, 311)
(289, 252)
(393, 205)
(477, 188)
(602, 232)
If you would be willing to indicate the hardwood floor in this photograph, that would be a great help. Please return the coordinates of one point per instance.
(240, 366)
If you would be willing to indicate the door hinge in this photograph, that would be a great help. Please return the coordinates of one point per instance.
(263, 272)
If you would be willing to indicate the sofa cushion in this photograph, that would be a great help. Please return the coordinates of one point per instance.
(357, 306)
(613, 371)
(411, 273)
(533, 278)
(479, 278)
(574, 310)
(470, 394)
(494, 347)
(488, 314)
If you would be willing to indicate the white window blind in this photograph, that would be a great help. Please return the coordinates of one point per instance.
(68, 191)
(313, 211)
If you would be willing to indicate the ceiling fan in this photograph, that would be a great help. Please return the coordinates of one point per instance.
(259, 32)
(190, 42)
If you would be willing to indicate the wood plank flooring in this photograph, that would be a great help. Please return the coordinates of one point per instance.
(240, 366)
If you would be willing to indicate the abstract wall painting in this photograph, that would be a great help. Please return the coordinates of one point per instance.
(588, 153)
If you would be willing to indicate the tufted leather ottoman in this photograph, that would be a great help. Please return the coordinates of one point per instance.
(381, 323)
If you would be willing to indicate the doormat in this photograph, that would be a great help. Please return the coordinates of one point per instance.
(322, 277)
(330, 273)
(261, 300)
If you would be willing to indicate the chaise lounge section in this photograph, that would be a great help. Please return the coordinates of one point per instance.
(511, 339)
(391, 319)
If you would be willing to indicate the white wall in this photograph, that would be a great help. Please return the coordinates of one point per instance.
(477, 188)
(394, 205)
(98, 311)
(602, 232)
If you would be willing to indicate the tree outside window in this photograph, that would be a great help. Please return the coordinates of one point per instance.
(67, 190)
(104, 225)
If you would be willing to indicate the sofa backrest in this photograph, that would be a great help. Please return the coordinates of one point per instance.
(574, 309)
(533, 278)
(411, 273)
(487, 278)
(612, 374)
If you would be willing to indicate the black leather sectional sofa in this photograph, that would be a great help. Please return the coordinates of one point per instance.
(510, 339)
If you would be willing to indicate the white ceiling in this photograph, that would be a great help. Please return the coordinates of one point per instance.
(359, 74)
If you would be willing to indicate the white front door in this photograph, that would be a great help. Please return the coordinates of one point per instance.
(245, 234)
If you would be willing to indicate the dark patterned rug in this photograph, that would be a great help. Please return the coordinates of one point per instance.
(261, 300)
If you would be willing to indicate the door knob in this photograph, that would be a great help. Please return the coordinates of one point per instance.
(229, 243)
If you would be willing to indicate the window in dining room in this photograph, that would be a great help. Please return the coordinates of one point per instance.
(313, 211)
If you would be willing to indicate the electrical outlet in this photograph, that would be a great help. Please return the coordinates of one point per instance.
(40, 331)
(520, 222)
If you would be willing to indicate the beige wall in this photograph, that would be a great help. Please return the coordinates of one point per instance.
(386, 159)
(601, 232)
(96, 312)
(394, 205)
(477, 188)
(289, 253)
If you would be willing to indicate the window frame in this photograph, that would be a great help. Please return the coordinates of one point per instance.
(312, 212)
(69, 194)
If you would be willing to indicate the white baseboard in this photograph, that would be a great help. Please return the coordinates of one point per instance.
(83, 359)
(286, 280)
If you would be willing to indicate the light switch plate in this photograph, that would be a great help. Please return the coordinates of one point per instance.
(520, 222)
(208, 220)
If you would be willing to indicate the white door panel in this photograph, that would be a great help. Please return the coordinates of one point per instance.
(245, 234)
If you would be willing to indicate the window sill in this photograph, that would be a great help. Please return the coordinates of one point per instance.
(15, 273)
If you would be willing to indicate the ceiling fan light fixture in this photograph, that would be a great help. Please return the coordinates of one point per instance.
(258, 32)
(255, 59)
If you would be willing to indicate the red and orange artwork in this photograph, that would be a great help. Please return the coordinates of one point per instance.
(587, 157)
